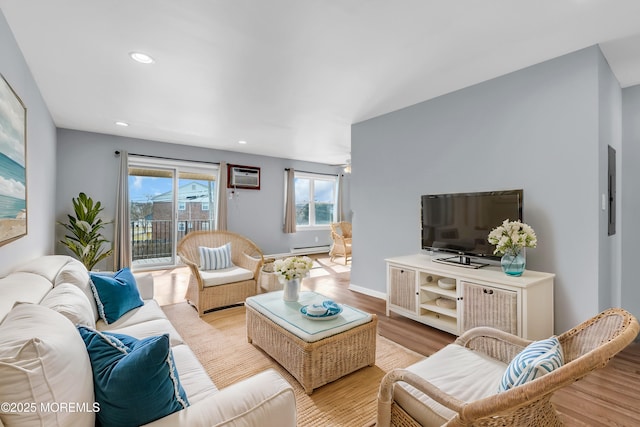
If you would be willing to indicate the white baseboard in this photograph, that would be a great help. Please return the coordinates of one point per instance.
(308, 250)
(367, 291)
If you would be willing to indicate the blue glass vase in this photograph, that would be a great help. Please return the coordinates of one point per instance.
(513, 262)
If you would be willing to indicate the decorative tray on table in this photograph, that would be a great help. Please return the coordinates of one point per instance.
(325, 311)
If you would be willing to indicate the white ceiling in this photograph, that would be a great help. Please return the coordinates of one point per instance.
(291, 76)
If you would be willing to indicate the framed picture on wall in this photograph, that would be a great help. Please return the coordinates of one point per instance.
(13, 167)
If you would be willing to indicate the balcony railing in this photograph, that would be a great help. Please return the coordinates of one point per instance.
(154, 238)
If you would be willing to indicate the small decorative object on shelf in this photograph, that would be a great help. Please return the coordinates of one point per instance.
(290, 272)
(511, 238)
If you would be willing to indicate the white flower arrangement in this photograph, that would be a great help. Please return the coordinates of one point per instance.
(293, 267)
(511, 237)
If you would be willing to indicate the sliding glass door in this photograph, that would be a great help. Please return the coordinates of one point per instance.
(167, 200)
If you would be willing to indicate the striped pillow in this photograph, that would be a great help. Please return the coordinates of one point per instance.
(537, 359)
(215, 258)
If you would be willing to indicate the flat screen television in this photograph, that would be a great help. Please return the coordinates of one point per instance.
(459, 223)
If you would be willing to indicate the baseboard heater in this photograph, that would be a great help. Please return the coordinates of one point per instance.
(310, 250)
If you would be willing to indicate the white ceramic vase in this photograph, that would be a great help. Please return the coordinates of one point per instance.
(291, 290)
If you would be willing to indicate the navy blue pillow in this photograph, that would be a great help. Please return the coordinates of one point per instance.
(115, 294)
(135, 381)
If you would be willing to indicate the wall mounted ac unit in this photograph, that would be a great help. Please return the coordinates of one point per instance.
(243, 177)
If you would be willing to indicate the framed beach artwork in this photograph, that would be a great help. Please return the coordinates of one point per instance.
(13, 168)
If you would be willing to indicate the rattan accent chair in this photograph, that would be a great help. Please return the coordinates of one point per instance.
(587, 347)
(244, 254)
(341, 236)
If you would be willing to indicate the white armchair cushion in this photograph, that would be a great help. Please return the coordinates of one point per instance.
(227, 275)
(43, 359)
(466, 374)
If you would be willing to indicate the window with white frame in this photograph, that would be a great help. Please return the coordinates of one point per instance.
(315, 199)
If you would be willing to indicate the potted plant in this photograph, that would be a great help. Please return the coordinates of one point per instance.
(85, 239)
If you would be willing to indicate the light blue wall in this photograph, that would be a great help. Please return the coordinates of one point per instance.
(630, 199)
(41, 166)
(610, 134)
(544, 129)
(536, 129)
(86, 163)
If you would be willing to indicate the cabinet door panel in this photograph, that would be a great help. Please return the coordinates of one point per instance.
(402, 284)
(487, 306)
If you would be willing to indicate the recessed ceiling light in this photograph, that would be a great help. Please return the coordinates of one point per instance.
(142, 58)
(242, 142)
(123, 124)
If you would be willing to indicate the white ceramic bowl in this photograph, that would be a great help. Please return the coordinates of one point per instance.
(316, 309)
(447, 283)
(445, 303)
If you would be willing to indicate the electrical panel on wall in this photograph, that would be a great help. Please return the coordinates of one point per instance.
(611, 190)
(247, 177)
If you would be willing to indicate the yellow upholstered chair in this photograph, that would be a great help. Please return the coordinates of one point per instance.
(211, 288)
(341, 237)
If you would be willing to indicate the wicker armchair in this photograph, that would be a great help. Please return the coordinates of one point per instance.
(587, 347)
(341, 236)
(244, 254)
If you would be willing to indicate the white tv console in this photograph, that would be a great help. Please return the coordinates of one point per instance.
(482, 297)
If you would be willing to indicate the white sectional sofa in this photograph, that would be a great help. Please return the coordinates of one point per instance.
(46, 374)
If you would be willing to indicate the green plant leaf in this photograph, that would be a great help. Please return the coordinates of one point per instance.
(84, 239)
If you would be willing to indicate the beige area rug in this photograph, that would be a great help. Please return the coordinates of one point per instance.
(219, 340)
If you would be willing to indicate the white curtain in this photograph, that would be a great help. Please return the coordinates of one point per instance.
(290, 203)
(121, 241)
(221, 223)
(340, 204)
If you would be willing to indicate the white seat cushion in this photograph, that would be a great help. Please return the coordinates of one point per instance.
(149, 311)
(194, 379)
(146, 329)
(142, 322)
(468, 375)
(226, 275)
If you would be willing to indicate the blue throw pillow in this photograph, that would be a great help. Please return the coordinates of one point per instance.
(135, 381)
(115, 294)
(215, 258)
(537, 359)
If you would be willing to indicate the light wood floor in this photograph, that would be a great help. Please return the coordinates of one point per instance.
(608, 397)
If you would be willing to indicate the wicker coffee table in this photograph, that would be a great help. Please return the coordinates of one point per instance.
(315, 352)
